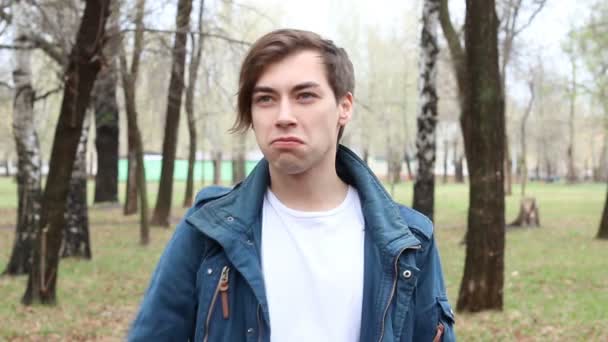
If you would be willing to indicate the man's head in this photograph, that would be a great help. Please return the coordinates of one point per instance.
(277, 45)
(295, 85)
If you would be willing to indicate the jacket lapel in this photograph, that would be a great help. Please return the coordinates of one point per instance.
(234, 221)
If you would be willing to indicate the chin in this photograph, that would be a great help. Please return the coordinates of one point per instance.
(289, 166)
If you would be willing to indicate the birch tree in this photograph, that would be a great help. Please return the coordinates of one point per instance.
(106, 116)
(426, 136)
(28, 149)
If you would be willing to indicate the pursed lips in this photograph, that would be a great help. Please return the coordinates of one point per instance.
(287, 140)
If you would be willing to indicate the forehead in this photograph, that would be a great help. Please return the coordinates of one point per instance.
(298, 67)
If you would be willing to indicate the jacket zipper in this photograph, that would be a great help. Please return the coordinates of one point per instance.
(224, 293)
(223, 278)
(390, 298)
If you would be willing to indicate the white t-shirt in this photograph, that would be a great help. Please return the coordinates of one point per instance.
(313, 270)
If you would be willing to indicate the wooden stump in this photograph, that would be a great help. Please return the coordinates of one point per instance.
(528, 214)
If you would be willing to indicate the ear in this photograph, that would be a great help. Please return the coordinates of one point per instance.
(345, 108)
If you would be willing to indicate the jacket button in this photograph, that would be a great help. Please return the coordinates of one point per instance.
(407, 274)
(209, 270)
(229, 218)
(250, 331)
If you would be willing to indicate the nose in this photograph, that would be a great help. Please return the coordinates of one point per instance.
(286, 116)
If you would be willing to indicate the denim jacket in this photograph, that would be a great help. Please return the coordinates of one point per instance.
(209, 286)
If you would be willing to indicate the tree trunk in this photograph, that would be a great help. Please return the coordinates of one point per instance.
(131, 193)
(426, 136)
(602, 233)
(136, 154)
(483, 127)
(458, 171)
(84, 64)
(174, 103)
(571, 176)
(366, 155)
(197, 50)
(408, 164)
(508, 164)
(483, 124)
(76, 242)
(528, 214)
(217, 167)
(28, 152)
(445, 161)
(523, 157)
(106, 119)
(238, 160)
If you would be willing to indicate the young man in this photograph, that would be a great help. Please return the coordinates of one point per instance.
(309, 247)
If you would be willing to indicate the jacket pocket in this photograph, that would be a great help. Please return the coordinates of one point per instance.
(444, 332)
(209, 297)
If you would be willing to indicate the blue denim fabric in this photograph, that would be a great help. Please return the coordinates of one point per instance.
(404, 296)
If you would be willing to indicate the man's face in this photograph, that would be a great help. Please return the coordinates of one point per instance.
(295, 116)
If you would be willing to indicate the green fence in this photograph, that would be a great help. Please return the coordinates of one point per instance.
(201, 169)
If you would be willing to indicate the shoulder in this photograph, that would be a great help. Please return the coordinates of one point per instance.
(417, 221)
(210, 193)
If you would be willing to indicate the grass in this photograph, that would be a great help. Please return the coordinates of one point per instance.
(556, 278)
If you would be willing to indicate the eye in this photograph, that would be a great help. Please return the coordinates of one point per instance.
(306, 96)
(263, 99)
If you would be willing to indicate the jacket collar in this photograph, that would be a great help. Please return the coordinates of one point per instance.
(235, 215)
(234, 222)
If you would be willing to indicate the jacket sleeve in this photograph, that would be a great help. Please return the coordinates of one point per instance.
(433, 312)
(168, 309)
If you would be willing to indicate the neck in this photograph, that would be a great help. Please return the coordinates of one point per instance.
(317, 189)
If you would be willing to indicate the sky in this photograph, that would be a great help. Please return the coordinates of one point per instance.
(544, 35)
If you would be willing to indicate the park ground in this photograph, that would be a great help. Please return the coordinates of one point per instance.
(556, 278)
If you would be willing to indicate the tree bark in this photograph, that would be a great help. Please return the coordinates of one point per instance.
(483, 124)
(408, 164)
(523, 157)
(426, 135)
(76, 242)
(29, 190)
(446, 147)
(162, 209)
(458, 171)
(571, 176)
(238, 160)
(106, 118)
(130, 207)
(195, 59)
(602, 232)
(84, 64)
(137, 172)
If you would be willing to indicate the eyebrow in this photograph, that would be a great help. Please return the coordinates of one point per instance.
(305, 85)
(297, 87)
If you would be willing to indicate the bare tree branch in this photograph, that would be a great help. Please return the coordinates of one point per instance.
(38, 42)
(52, 50)
(254, 10)
(541, 4)
(48, 93)
(205, 34)
(6, 85)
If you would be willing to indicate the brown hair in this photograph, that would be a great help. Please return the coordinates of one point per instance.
(275, 46)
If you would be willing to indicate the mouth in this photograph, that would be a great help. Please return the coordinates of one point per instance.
(286, 142)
